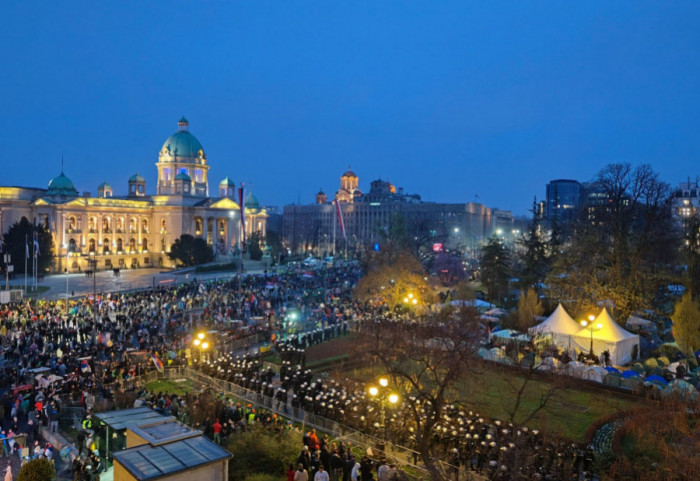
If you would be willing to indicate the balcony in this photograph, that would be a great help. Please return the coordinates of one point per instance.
(73, 231)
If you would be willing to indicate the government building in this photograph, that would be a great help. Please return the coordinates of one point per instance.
(314, 227)
(137, 229)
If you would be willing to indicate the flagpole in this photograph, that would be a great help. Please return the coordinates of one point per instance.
(26, 256)
(334, 215)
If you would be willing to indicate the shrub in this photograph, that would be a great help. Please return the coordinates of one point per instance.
(663, 361)
(638, 368)
(262, 477)
(650, 364)
(37, 470)
(668, 351)
(262, 451)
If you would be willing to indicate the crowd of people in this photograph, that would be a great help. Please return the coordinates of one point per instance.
(94, 346)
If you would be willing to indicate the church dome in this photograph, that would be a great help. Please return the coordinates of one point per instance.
(183, 176)
(226, 182)
(136, 178)
(104, 186)
(182, 145)
(350, 173)
(62, 185)
(251, 202)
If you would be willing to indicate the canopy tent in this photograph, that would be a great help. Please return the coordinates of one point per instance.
(510, 335)
(621, 344)
(559, 325)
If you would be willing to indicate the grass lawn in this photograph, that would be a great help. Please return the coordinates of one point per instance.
(171, 386)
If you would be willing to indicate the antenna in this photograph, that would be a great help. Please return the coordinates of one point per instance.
(62, 163)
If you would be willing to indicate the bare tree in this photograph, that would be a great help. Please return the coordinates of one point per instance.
(425, 358)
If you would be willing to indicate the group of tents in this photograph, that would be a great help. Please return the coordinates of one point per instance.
(603, 333)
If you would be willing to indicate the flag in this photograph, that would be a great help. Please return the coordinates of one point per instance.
(157, 363)
(339, 212)
(26, 245)
(242, 207)
(85, 367)
(36, 244)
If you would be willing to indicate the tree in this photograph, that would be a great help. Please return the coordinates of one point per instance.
(262, 450)
(534, 259)
(254, 249)
(686, 324)
(190, 251)
(19, 236)
(495, 268)
(425, 360)
(623, 247)
(391, 276)
(37, 470)
(529, 307)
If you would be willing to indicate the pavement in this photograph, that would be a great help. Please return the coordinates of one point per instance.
(78, 285)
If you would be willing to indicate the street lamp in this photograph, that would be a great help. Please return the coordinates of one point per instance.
(383, 395)
(591, 327)
(202, 344)
(410, 299)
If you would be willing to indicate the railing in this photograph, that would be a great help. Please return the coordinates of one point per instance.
(394, 453)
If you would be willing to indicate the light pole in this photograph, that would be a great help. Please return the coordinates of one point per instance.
(67, 254)
(410, 299)
(383, 395)
(202, 344)
(591, 327)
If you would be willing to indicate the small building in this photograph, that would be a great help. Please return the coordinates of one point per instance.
(166, 449)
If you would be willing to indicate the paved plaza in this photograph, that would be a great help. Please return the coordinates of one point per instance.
(79, 285)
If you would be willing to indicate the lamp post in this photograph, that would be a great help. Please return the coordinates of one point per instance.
(591, 327)
(410, 299)
(201, 343)
(384, 395)
(67, 261)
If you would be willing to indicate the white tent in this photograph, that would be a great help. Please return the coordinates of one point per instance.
(560, 326)
(609, 336)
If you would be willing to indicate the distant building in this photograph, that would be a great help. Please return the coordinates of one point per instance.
(315, 226)
(686, 200)
(564, 199)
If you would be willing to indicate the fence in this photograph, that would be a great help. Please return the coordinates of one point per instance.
(394, 453)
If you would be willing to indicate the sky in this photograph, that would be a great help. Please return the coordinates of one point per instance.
(453, 100)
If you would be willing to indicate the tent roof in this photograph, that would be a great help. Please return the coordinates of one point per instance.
(610, 330)
(559, 322)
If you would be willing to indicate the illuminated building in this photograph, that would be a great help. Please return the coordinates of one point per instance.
(464, 225)
(137, 230)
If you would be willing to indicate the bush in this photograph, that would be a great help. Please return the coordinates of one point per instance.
(663, 361)
(650, 364)
(37, 470)
(262, 451)
(668, 351)
(638, 368)
(262, 477)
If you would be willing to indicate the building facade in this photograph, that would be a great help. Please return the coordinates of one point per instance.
(137, 230)
(316, 227)
(564, 199)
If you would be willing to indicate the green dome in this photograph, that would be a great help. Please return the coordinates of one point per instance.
(136, 178)
(62, 185)
(103, 186)
(251, 202)
(181, 144)
(227, 182)
(183, 176)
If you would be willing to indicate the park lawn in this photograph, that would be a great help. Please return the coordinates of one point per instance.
(171, 386)
(490, 391)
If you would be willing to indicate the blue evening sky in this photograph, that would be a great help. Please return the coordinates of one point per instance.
(446, 99)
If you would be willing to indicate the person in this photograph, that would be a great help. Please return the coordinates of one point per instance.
(290, 473)
(301, 474)
(8, 473)
(304, 458)
(321, 474)
(216, 427)
(355, 471)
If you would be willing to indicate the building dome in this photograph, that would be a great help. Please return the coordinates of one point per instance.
(136, 178)
(350, 173)
(251, 202)
(61, 185)
(183, 176)
(226, 182)
(104, 186)
(182, 144)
